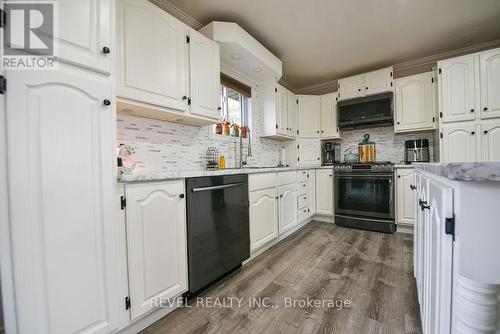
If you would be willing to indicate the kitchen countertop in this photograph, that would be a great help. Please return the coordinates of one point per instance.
(403, 166)
(182, 174)
(464, 171)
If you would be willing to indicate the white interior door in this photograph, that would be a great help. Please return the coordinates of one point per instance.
(85, 32)
(459, 142)
(309, 116)
(157, 246)
(414, 98)
(263, 217)
(152, 56)
(309, 152)
(458, 88)
(61, 170)
(324, 192)
(329, 127)
(490, 140)
(490, 83)
(405, 196)
(205, 76)
(287, 207)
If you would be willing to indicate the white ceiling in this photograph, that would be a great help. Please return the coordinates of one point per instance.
(321, 40)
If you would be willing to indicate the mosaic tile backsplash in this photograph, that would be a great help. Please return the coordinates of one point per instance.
(161, 145)
(390, 145)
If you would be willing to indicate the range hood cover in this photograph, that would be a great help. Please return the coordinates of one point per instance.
(363, 111)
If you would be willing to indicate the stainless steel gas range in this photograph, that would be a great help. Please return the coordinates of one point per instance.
(364, 196)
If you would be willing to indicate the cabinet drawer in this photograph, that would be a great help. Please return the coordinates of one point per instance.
(287, 178)
(303, 188)
(261, 181)
(303, 214)
(302, 175)
(302, 201)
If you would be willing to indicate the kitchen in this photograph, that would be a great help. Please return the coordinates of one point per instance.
(192, 166)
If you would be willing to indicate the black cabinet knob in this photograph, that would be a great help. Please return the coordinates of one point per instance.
(106, 50)
(399, 176)
(412, 187)
(472, 110)
(485, 132)
(219, 108)
(322, 131)
(420, 202)
(106, 102)
(330, 175)
(184, 97)
(359, 90)
(366, 88)
(473, 133)
(181, 195)
(281, 196)
(485, 108)
(397, 123)
(317, 131)
(318, 158)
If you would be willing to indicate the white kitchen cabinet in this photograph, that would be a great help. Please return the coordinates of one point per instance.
(490, 140)
(309, 116)
(62, 167)
(156, 243)
(324, 192)
(490, 83)
(279, 116)
(459, 88)
(204, 65)
(405, 196)
(311, 177)
(263, 216)
(351, 87)
(85, 33)
(415, 100)
(292, 121)
(153, 56)
(329, 128)
(378, 81)
(309, 152)
(287, 207)
(460, 142)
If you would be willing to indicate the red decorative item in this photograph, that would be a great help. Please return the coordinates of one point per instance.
(218, 129)
(244, 131)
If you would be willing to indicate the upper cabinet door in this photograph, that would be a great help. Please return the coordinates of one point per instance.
(490, 83)
(61, 171)
(205, 76)
(152, 59)
(292, 114)
(156, 245)
(352, 87)
(309, 152)
(309, 116)
(85, 33)
(459, 143)
(458, 88)
(378, 81)
(415, 103)
(490, 140)
(329, 127)
(281, 110)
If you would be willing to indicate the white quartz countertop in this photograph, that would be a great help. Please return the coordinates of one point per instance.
(464, 171)
(182, 174)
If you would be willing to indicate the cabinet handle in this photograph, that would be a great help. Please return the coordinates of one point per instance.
(184, 97)
(181, 195)
(281, 196)
(219, 108)
(485, 108)
(420, 202)
(106, 102)
(317, 131)
(330, 175)
(399, 176)
(397, 123)
(322, 131)
(366, 88)
(359, 90)
(412, 187)
(303, 185)
(472, 110)
(277, 197)
(305, 197)
(485, 132)
(318, 158)
(106, 50)
(473, 133)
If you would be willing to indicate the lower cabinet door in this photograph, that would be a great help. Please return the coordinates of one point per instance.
(263, 217)
(311, 177)
(287, 207)
(156, 240)
(405, 196)
(490, 140)
(324, 192)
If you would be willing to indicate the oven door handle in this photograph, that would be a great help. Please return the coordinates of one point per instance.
(364, 176)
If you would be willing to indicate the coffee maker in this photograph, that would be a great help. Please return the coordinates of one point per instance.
(330, 153)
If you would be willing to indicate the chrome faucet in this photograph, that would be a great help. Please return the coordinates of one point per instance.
(243, 162)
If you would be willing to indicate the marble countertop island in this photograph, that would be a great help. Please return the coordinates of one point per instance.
(464, 171)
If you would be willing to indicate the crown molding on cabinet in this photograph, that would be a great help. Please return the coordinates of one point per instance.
(319, 88)
(179, 14)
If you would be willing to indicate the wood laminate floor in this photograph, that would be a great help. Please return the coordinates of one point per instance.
(324, 262)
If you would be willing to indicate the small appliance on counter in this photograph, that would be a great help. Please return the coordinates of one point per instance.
(366, 150)
(349, 157)
(417, 150)
(330, 153)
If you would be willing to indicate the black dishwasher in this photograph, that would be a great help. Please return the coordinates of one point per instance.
(217, 226)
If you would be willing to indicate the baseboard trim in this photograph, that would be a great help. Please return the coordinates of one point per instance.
(324, 219)
(406, 229)
(270, 244)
